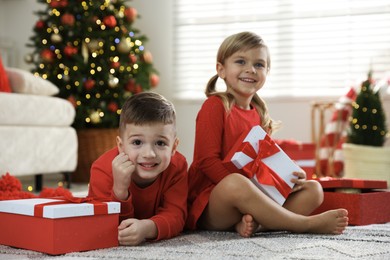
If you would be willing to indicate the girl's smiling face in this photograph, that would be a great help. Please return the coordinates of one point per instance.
(150, 147)
(244, 73)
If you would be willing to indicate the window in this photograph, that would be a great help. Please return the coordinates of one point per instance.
(317, 47)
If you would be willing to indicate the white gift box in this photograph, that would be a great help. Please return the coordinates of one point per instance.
(279, 165)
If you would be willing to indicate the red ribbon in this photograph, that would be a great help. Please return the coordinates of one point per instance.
(99, 207)
(258, 168)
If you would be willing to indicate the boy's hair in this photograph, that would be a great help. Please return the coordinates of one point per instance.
(146, 108)
(241, 42)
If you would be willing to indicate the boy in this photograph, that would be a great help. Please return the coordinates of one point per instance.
(144, 172)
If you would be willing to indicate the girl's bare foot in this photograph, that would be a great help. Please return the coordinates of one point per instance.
(329, 222)
(247, 226)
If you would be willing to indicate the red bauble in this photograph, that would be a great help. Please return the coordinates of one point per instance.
(115, 64)
(72, 100)
(58, 3)
(154, 80)
(131, 14)
(109, 21)
(47, 55)
(138, 89)
(89, 84)
(40, 24)
(68, 19)
(130, 86)
(70, 50)
(113, 107)
(133, 58)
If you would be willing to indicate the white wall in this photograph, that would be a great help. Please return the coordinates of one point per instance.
(17, 20)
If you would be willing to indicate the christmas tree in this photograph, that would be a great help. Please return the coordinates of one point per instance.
(90, 50)
(368, 120)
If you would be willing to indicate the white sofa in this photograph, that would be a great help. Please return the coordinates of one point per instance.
(36, 137)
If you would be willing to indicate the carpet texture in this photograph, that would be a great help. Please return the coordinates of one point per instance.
(360, 242)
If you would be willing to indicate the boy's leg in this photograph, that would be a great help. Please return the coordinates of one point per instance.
(236, 196)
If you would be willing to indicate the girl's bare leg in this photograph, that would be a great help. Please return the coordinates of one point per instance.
(236, 196)
(306, 200)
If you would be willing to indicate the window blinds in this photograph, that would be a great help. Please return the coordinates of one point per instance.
(316, 46)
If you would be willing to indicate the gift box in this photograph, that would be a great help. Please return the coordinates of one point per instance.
(367, 201)
(259, 158)
(57, 226)
(303, 154)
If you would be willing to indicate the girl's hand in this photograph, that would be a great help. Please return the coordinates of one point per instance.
(122, 169)
(299, 182)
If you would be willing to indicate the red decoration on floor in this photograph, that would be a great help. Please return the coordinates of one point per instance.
(11, 188)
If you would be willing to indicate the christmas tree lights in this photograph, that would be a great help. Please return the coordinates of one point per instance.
(90, 50)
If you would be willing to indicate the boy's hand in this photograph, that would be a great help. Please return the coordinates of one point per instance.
(122, 169)
(299, 182)
(132, 232)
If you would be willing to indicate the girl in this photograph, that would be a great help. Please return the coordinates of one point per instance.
(221, 200)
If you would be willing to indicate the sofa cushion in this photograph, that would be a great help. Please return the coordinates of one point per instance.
(25, 82)
(4, 82)
(33, 110)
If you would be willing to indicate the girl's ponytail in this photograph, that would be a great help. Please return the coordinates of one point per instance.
(210, 88)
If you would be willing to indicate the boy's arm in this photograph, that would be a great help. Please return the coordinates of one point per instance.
(172, 213)
(101, 183)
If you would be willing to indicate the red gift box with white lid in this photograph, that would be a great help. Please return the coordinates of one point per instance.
(258, 157)
(59, 226)
(367, 201)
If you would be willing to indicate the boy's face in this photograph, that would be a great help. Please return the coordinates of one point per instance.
(150, 147)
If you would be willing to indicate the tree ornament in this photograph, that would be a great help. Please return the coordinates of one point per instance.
(124, 45)
(68, 19)
(84, 52)
(113, 107)
(95, 117)
(130, 86)
(58, 3)
(70, 50)
(133, 58)
(147, 57)
(93, 45)
(56, 38)
(47, 56)
(89, 84)
(113, 81)
(154, 80)
(109, 21)
(40, 25)
(72, 100)
(138, 88)
(131, 14)
(115, 65)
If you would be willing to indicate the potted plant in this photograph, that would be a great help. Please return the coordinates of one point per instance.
(95, 56)
(364, 152)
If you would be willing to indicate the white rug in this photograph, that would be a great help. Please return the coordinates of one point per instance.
(361, 242)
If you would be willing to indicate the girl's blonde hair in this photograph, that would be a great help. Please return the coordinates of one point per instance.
(241, 42)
